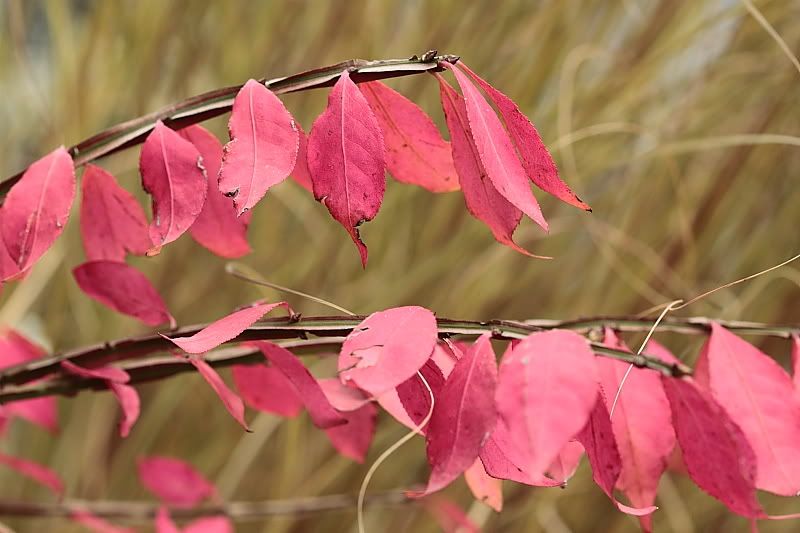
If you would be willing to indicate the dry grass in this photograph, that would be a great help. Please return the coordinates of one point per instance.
(677, 120)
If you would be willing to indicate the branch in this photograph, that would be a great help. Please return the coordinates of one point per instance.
(217, 102)
(143, 512)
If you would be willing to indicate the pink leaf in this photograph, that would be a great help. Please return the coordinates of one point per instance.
(164, 523)
(463, 416)
(345, 157)
(567, 462)
(416, 398)
(717, 455)
(496, 151)
(759, 397)
(319, 408)
(597, 437)
(107, 373)
(263, 147)
(224, 329)
(174, 482)
(128, 400)
(301, 174)
(210, 524)
(217, 227)
(112, 221)
(173, 174)
(354, 438)
(449, 516)
(444, 356)
(38, 473)
(37, 207)
(415, 150)
(97, 524)
(796, 363)
(484, 488)
(230, 400)
(483, 200)
(124, 289)
(536, 159)
(642, 425)
(546, 392)
(342, 397)
(502, 459)
(267, 389)
(387, 348)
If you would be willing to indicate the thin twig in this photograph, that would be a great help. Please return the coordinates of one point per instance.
(135, 512)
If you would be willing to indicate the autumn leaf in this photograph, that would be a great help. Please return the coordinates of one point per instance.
(32, 470)
(484, 487)
(174, 482)
(267, 389)
(230, 399)
(353, 438)
(263, 146)
(346, 159)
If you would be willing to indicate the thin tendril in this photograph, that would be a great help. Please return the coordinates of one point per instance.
(251, 276)
(362, 492)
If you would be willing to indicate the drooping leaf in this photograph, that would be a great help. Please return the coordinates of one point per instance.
(267, 389)
(597, 438)
(388, 348)
(230, 399)
(546, 392)
(342, 397)
(174, 482)
(445, 354)
(38, 473)
(16, 349)
(483, 200)
(464, 415)
(536, 160)
(415, 150)
(164, 523)
(496, 151)
(217, 227)
(263, 147)
(345, 158)
(113, 223)
(36, 209)
(354, 438)
(116, 379)
(567, 461)
(96, 524)
(642, 425)
(758, 395)
(450, 517)
(124, 289)
(415, 396)
(484, 487)
(209, 524)
(301, 174)
(796, 363)
(716, 453)
(224, 329)
(319, 408)
(174, 176)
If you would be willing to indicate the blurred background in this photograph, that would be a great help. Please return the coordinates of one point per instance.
(676, 120)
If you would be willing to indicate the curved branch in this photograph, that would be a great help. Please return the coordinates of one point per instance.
(214, 103)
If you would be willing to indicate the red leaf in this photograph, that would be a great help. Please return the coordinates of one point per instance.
(112, 221)
(642, 425)
(263, 147)
(484, 488)
(164, 523)
(415, 150)
(546, 392)
(97, 524)
(345, 157)
(483, 200)
(38, 473)
(301, 173)
(267, 389)
(210, 524)
(567, 462)
(387, 348)
(717, 455)
(342, 397)
(124, 289)
(449, 516)
(319, 408)
(796, 363)
(224, 329)
(597, 438)
(16, 349)
(174, 482)
(536, 159)
(230, 400)
(502, 459)
(354, 438)
(496, 151)
(116, 379)
(415, 397)
(758, 395)
(217, 227)
(173, 174)
(463, 416)
(37, 207)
